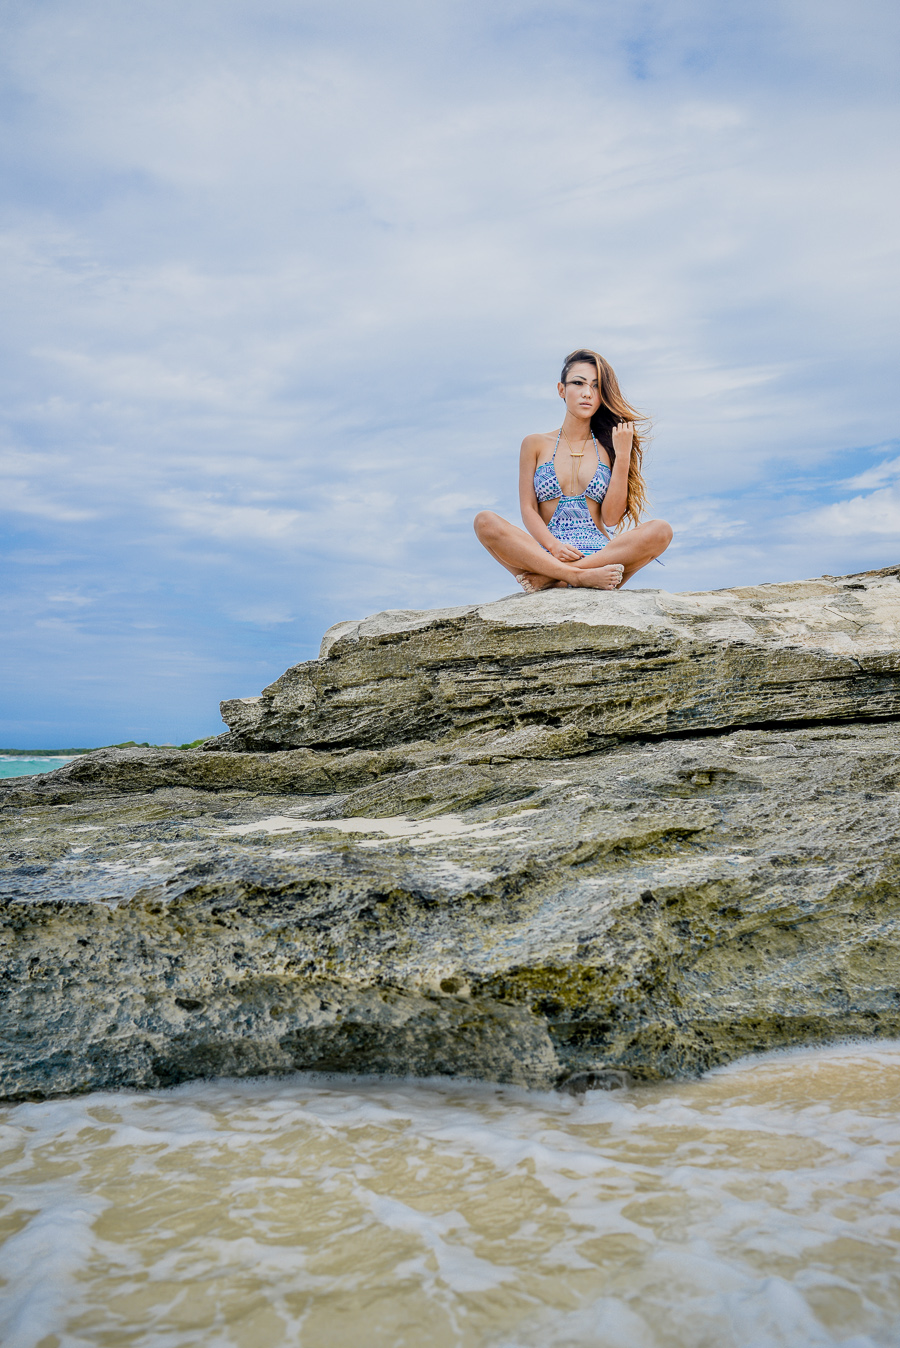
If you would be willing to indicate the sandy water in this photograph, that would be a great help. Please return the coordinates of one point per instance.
(758, 1206)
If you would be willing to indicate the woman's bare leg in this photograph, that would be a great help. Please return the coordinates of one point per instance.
(521, 555)
(633, 549)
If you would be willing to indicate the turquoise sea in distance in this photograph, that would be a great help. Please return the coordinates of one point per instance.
(11, 766)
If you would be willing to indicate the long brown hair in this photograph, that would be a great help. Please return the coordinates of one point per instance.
(613, 409)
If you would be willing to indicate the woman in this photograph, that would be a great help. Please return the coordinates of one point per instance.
(575, 484)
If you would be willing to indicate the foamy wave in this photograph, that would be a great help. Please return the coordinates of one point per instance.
(759, 1207)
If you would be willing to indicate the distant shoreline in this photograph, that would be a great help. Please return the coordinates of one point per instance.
(42, 753)
(70, 753)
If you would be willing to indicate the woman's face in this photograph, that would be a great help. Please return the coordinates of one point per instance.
(581, 389)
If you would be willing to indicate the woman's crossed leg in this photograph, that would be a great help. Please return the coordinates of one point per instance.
(537, 569)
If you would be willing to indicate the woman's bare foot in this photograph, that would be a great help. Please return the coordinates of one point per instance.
(531, 582)
(593, 577)
(601, 577)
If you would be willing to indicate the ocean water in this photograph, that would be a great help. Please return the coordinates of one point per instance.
(759, 1206)
(11, 766)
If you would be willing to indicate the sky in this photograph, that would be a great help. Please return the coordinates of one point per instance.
(285, 284)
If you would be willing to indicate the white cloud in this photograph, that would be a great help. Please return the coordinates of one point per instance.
(876, 514)
(142, 377)
(236, 524)
(77, 600)
(886, 471)
(21, 498)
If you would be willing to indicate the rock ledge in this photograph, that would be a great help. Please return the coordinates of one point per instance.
(572, 670)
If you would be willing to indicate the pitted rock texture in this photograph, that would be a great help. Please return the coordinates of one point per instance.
(566, 671)
(125, 770)
(651, 909)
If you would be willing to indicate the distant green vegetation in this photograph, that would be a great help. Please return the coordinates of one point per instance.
(42, 753)
(127, 744)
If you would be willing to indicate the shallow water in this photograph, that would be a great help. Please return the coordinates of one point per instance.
(759, 1206)
(10, 766)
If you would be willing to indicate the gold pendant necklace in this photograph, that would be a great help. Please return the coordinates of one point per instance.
(573, 455)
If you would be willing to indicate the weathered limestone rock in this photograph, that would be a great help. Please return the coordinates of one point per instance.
(569, 670)
(141, 770)
(652, 909)
(473, 892)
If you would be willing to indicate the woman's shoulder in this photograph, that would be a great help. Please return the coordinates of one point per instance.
(536, 443)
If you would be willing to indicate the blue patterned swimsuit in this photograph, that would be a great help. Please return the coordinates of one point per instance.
(572, 521)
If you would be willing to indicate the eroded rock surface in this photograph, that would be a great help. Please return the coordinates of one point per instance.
(464, 903)
(565, 671)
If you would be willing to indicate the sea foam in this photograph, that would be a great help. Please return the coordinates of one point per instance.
(759, 1206)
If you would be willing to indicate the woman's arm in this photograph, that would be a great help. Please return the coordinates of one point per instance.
(528, 504)
(616, 498)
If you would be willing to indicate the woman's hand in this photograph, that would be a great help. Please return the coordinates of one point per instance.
(622, 437)
(564, 552)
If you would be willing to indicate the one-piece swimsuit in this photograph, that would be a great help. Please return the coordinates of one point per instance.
(572, 521)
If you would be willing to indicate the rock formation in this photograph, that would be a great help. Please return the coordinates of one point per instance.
(569, 669)
(553, 841)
